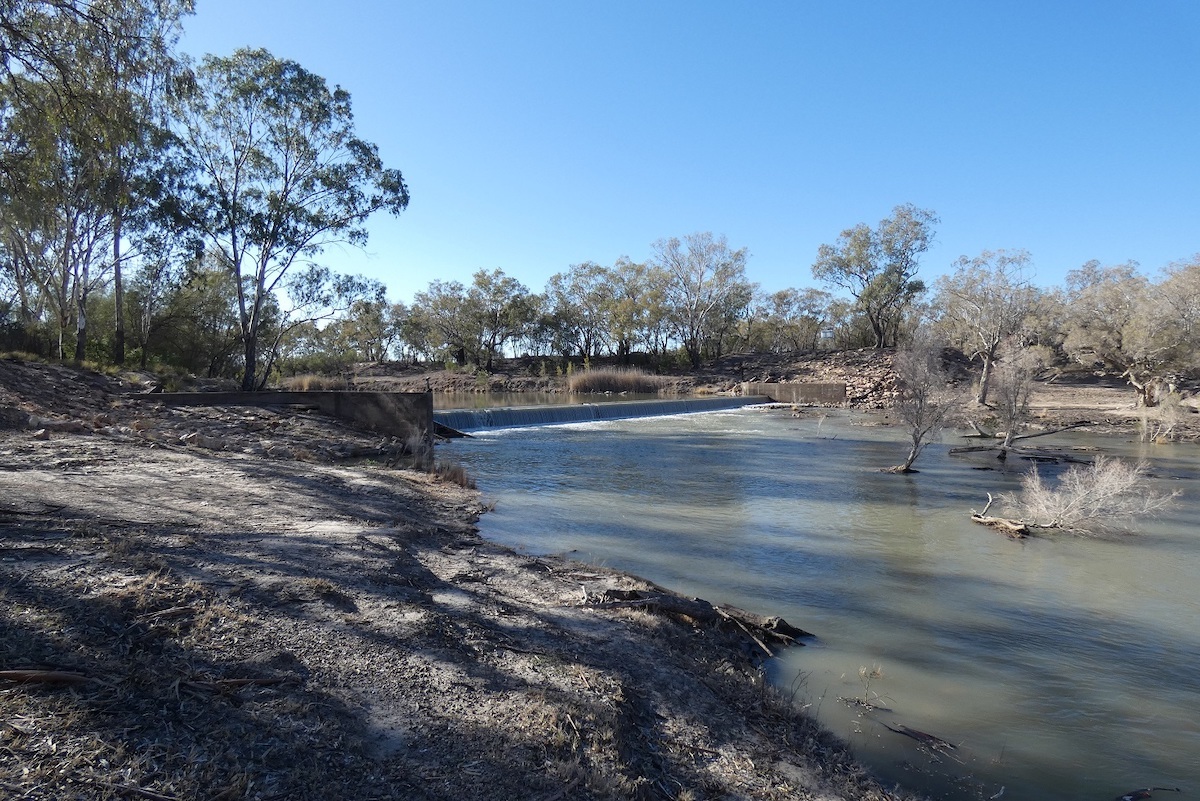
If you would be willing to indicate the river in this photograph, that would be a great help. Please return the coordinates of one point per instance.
(1061, 667)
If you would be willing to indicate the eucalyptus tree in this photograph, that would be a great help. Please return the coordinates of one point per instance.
(794, 318)
(446, 324)
(190, 317)
(1118, 319)
(580, 301)
(372, 327)
(635, 301)
(52, 218)
(280, 176)
(878, 267)
(504, 307)
(474, 323)
(706, 285)
(133, 60)
(90, 73)
(984, 303)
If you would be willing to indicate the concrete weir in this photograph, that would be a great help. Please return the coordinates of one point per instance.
(821, 394)
(403, 415)
(557, 414)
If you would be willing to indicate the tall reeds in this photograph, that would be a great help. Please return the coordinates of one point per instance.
(616, 380)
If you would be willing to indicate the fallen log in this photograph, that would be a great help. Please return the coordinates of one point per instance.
(760, 628)
(62, 677)
(1016, 529)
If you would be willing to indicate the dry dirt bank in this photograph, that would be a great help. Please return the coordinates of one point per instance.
(255, 615)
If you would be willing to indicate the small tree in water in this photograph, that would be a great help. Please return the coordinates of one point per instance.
(927, 402)
(1013, 388)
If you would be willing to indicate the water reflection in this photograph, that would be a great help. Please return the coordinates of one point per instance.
(1064, 668)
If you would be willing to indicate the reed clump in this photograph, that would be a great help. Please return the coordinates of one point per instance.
(616, 380)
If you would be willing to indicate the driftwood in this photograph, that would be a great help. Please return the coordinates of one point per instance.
(62, 677)
(928, 740)
(759, 628)
(1146, 792)
(1016, 529)
(999, 446)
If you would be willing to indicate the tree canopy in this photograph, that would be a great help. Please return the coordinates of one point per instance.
(280, 175)
(878, 266)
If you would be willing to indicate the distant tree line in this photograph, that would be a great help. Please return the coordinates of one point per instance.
(159, 211)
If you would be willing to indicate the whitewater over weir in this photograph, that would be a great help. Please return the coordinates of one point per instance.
(559, 414)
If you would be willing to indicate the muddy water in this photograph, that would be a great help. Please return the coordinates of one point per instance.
(1062, 668)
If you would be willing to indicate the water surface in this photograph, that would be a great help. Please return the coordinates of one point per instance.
(1063, 668)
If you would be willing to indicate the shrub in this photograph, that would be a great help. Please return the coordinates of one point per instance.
(1107, 495)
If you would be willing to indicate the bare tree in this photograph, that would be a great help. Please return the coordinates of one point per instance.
(928, 402)
(984, 304)
(1107, 495)
(1014, 386)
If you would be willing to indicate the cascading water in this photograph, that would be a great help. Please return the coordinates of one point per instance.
(477, 419)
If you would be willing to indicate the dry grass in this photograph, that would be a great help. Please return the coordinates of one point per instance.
(616, 380)
(453, 472)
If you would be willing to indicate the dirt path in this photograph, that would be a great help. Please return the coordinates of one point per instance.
(262, 619)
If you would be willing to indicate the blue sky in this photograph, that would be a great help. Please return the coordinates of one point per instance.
(534, 134)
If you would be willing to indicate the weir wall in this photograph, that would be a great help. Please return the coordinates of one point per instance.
(821, 394)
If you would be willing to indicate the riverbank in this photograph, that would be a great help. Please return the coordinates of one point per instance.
(225, 603)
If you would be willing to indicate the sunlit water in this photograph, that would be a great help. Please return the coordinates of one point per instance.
(1063, 668)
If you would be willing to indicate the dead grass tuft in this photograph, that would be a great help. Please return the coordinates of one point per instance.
(454, 473)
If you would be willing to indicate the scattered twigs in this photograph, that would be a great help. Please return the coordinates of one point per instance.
(165, 614)
(563, 792)
(220, 685)
(139, 792)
